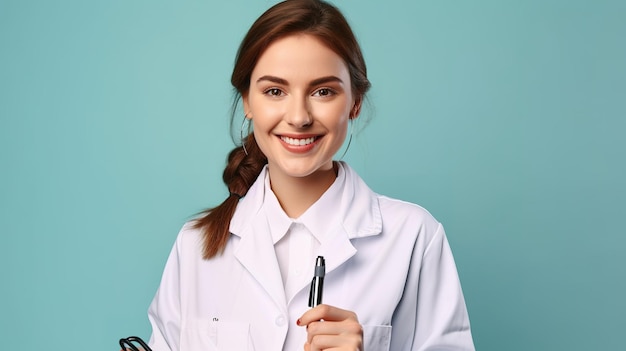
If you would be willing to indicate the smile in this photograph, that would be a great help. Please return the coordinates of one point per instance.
(298, 142)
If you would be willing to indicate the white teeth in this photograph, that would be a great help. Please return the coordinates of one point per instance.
(298, 142)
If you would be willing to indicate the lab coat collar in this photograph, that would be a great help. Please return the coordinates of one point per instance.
(280, 223)
(359, 217)
(359, 209)
(322, 218)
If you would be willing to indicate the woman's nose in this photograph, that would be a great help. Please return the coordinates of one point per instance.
(299, 114)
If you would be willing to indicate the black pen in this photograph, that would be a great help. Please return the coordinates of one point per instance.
(317, 285)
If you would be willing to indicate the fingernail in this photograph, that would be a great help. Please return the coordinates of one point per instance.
(298, 322)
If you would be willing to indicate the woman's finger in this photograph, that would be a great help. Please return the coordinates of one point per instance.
(326, 313)
(335, 342)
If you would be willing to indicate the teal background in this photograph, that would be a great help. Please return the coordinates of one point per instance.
(505, 119)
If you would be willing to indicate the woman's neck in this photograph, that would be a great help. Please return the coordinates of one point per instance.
(297, 194)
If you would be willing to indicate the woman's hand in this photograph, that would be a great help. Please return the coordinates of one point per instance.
(331, 328)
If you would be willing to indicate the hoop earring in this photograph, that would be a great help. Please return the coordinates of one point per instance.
(241, 136)
(349, 139)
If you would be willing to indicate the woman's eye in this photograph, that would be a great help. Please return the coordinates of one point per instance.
(324, 92)
(274, 92)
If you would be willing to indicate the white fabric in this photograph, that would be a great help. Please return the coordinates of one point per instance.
(295, 253)
(297, 246)
(387, 260)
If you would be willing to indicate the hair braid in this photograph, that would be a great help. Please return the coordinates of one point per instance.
(239, 175)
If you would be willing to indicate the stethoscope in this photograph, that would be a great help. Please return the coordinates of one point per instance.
(128, 344)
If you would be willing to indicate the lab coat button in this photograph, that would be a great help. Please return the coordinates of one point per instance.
(280, 320)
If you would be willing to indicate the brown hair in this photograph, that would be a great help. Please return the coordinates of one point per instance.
(314, 17)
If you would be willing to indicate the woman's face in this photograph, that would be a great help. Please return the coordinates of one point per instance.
(300, 102)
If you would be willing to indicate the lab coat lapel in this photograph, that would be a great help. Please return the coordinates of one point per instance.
(358, 217)
(256, 253)
(360, 210)
(255, 250)
(337, 250)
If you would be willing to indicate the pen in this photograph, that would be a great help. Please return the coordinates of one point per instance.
(317, 285)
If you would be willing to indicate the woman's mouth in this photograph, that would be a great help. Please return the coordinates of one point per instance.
(298, 142)
(300, 145)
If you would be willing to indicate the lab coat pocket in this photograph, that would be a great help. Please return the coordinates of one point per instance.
(376, 337)
(213, 335)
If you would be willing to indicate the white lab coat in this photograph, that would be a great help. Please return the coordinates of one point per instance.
(389, 262)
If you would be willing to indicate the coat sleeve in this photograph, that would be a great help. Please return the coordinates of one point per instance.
(432, 305)
(164, 311)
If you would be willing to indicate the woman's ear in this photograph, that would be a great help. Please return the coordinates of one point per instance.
(356, 108)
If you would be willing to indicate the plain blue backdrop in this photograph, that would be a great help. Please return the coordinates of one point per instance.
(505, 119)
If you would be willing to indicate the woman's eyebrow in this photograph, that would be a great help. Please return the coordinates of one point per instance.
(273, 79)
(324, 80)
(318, 81)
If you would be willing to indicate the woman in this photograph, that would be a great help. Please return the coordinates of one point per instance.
(238, 277)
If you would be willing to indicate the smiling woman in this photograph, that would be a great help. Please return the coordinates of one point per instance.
(237, 277)
(300, 104)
